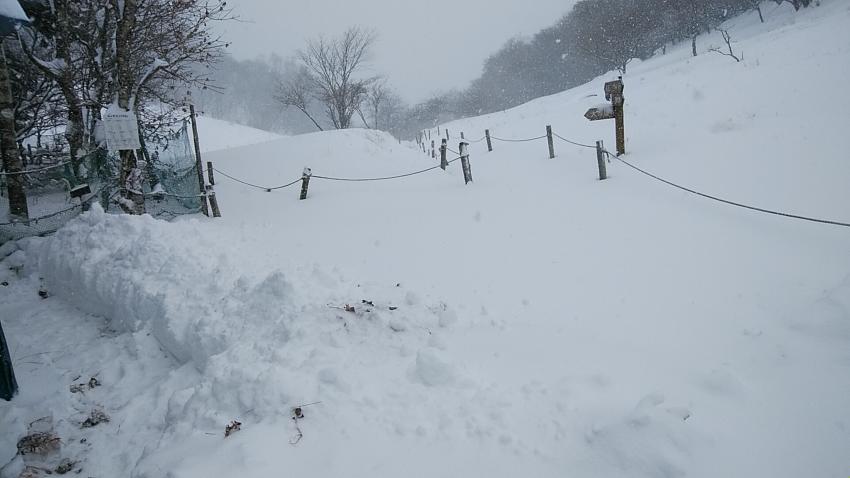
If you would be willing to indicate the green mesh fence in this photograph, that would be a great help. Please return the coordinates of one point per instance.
(171, 187)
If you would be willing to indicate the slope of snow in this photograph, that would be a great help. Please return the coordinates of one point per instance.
(12, 9)
(544, 322)
(216, 134)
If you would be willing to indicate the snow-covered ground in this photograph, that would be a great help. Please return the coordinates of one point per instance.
(538, 322)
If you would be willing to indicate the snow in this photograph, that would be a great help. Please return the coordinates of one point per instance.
(12, 9)
(216, 134)
(535, 321)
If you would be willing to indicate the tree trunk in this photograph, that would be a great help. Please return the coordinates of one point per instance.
(8, 147)
(694, 44)
(758, 9)
(75, 129)
(132, 198)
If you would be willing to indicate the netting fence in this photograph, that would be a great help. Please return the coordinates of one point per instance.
(171, 185)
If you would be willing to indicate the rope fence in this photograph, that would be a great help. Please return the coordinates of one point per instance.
(726, 201)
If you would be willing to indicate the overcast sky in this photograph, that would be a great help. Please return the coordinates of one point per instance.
(423, 47)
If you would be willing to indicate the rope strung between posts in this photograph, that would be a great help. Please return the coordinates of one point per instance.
(517, 140)
(726, 201)
(315, 176)
(29, 171)
(572, 142)
(255, 185)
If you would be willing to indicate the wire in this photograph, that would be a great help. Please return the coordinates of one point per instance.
(270, 189)
(731, 203)
(517, 140)
(378, 179)
(573, 142)
(16, 173)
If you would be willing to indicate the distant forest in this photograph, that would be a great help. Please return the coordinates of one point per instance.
(595, 37)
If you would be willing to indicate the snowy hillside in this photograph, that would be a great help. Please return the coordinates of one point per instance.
(218, 134)
(537, 322)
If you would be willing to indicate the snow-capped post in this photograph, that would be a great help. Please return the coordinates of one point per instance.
(464, 161)
(551, 142)
(211, 191)
(305, 182)
(600, 160)
(198, 164)
(433, 151)
(443, 162)
(489, 142)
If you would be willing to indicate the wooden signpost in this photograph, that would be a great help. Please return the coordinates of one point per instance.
(614, 94)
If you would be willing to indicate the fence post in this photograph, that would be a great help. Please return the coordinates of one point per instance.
(433, 153)
(600, 160)
(210, 173)
(551, 143)
(443, 162)
(464, 161)
(447, 135)
(305, 182)
(489, 143)
(211, 191)
(462, 136)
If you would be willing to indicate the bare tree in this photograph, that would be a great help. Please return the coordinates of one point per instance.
(297, 91)
(334, 67)
(376, 96)
(727, 38)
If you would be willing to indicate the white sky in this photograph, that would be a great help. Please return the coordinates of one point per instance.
(420, 49)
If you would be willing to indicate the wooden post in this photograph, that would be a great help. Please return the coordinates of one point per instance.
(489, 143)
(433, 151)
(464, 161)
(619, 119)
(551, 142)
(213, 201)
(443, 162)
(462, 136)
(617, 101)
(305, 182)
(211, 191)
(600, 160)
(447, 135)
(210, 173)
(198, 165)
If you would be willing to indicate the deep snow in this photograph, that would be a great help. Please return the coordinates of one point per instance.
(546, 323)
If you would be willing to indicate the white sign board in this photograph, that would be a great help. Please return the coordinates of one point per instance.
(121, 129)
